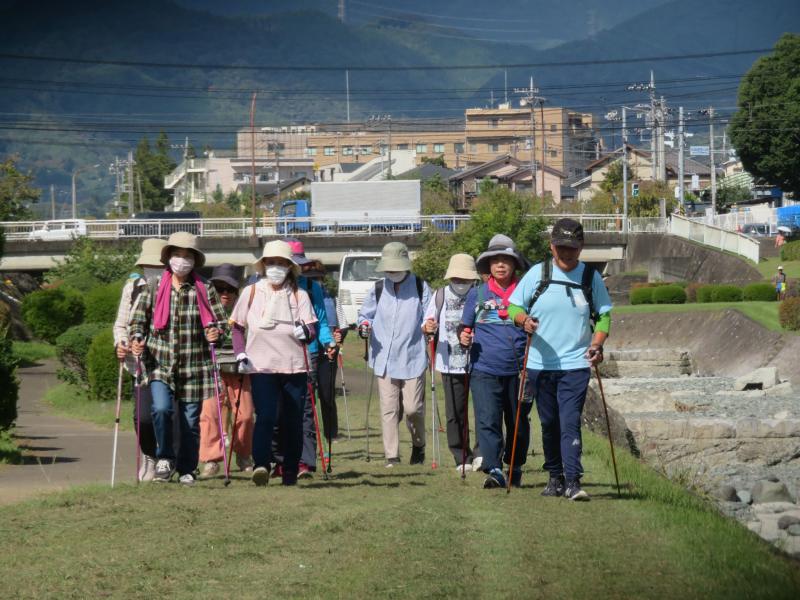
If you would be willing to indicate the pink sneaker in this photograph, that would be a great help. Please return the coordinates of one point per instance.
(303, 472)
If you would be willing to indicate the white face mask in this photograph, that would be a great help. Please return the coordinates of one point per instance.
(276, 274)
(460, 288)
(397, 276)
(181, 266)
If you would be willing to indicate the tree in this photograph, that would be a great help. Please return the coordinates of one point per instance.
(437, 199)
(646, 204)
(16, 192)
(438, 160)
(727, 195)
(152, 167)
(89, 264)
(764, 129)
(612, 182)
(497, 210)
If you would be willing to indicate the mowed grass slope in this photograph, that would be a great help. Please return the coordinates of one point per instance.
(370, 532)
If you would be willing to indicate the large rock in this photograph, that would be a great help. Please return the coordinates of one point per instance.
(726, 493)
(760, 379)
(787, 520)
(770, 491)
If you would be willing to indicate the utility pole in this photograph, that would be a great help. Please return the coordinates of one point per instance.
(711, 157)
(347, 88)
(342, 12)
(117, 191)
(139, 187)
(131, 200)
(544, 142)
(53, 202)
(529, 98)
(681, 152)
(624, 170)
(254, 235)
(655, 118)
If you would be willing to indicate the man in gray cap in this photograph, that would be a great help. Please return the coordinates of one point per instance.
(391, 318)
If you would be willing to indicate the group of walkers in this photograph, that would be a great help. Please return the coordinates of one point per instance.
(507, 333)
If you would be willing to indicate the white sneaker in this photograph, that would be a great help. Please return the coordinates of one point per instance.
(465, 467)
(164, 470)
(148, 469)
(210, 469)
(187, 480)
(245, 464)
(477, 462)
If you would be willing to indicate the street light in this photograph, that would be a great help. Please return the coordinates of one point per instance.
(74, 196)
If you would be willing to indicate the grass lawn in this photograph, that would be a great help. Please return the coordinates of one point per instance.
(72, 401)
(764, 313)
(370, 532)
(769, 267)
(30, 353)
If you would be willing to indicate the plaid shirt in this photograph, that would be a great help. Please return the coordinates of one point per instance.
(178, 355)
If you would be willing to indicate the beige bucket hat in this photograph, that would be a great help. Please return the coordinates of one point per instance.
(151, 252)
(183, 239)
(394, 257)
(277, 249)
(462, 266)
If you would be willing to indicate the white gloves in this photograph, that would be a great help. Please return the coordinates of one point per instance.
(244, 364)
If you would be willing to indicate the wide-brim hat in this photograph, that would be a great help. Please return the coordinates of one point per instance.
(278, 249)
(500, 245)
(298, 251)
(394, 257)
(187, 241)
(228, 274)
(151, 252)
(461, 266)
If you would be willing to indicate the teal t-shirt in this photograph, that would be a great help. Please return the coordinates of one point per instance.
(564, 332)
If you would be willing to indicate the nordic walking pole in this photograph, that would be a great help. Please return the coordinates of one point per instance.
(520, 395)
(608, 428)
(371, 384)
(233, 424)
(215, 370)
(434, 408)
(344, 393)
(332, 361)
(314, 411)
(466, 424)
(116, 422)
(138, 415)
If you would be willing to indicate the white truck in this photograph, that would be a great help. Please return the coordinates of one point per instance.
(357, 206)
(357, 276)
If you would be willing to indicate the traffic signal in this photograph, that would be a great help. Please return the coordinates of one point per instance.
(635, 190)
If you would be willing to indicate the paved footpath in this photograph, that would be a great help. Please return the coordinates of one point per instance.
(58, 451)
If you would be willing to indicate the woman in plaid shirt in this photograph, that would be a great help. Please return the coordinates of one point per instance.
(172, 329)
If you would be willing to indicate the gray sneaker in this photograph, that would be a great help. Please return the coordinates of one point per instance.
(148, 470)
(164, 470)
(573, 491)
(555, 487)
(187, 480)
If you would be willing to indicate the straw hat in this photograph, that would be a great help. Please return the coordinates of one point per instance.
(500, 245)
(151, 252)
(278, 249)
(394, 257)
(462, 266)
(186, 240)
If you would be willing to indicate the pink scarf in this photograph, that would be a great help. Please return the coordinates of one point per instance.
(161, 317)
(504, 294)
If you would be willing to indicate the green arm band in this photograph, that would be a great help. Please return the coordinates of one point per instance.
(515, 310)
(603, 323)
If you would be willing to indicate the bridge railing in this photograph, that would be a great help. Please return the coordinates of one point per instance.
(716, 237)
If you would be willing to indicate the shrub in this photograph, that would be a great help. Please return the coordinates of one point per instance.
(691, 291)
(102, 303)
(705, 292)
(72, 347)
(103, 369)
(9, 385)
(642, 295)
(669, 294)
(49, 313)
(759, 291)
(789, 314)
(791, 250)
(726, 293)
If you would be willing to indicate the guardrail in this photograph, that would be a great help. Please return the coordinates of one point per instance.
(716, 237)
(283, 226)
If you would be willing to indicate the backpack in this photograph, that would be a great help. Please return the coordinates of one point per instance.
(151, 283)
(379, 289)
(585, 286)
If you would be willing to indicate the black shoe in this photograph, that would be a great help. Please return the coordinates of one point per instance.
(555, 487)
(573, 491)
(516, 477)
(417, 455)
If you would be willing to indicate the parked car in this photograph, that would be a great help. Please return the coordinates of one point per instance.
(756, 229)
(65, 229)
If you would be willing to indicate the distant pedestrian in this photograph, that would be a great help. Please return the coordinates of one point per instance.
(391, 319)
(563, 303)
(442, 318)
(780, 283)
(150, 269)
(177, 322)
(496, 352)
(235, 388)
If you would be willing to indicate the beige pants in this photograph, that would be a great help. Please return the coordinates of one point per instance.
(412, 392)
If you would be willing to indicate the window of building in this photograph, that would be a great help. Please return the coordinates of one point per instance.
(422, 148)
(365, 150)
(438, 148)
(329, 151)
(553, 153)
(238, 176)
(402, 146)
(494, 147)
(458, 148)
(473, 147)
(347, 150)
(493, 123)
(553, 127)
(311, 151)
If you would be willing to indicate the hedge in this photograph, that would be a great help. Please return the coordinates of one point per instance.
(49, 313)
(791, 251)
(704, 293)
(103, 369)
(759, 291)
(642, 295)
(669, 294)
(726, 293)
(102, 302)
(72, 347)
(9, 384)
(789, 314)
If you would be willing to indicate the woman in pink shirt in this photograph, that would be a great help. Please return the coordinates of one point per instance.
(273, 321)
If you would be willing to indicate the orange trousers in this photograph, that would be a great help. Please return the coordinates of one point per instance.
(242, 435)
